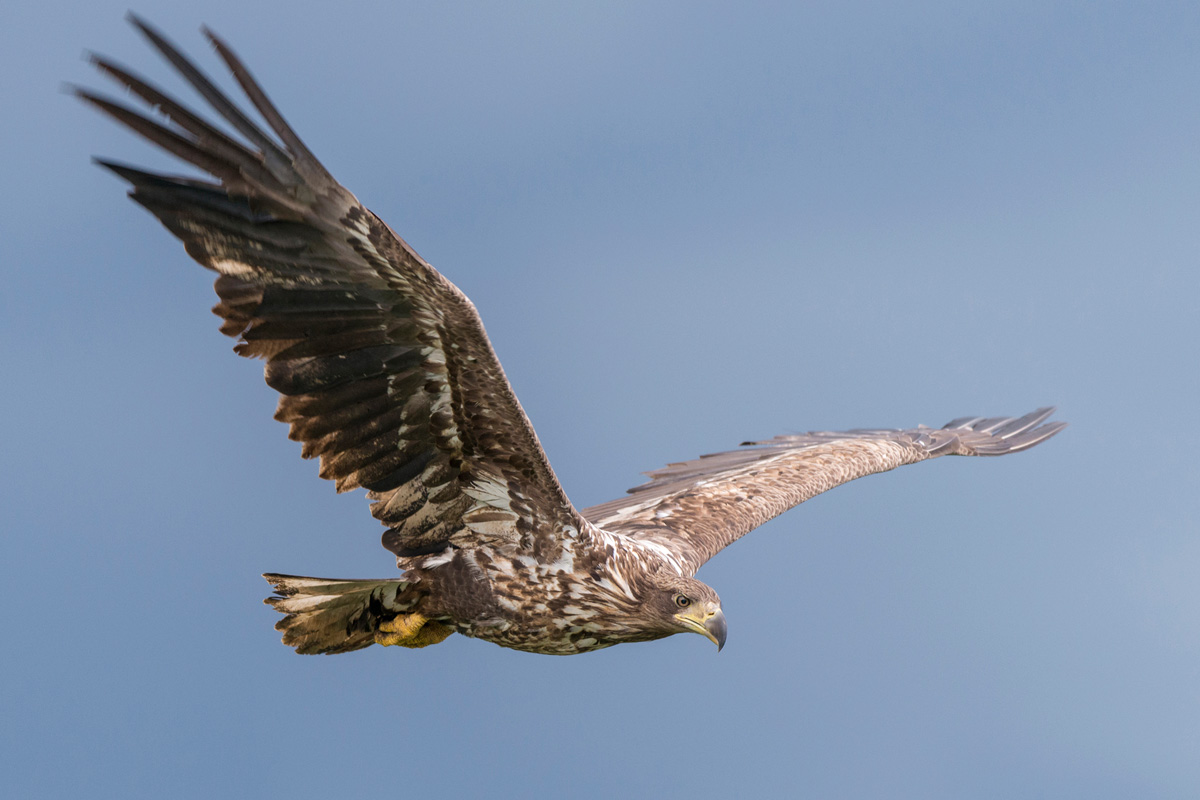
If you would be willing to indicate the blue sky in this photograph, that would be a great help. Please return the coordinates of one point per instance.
(685, 225)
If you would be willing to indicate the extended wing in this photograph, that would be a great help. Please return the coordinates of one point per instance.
(385, 369)
(696, 508)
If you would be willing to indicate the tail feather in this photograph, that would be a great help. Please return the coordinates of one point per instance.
(334, 616)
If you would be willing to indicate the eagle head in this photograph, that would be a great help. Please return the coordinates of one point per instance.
(677, 604)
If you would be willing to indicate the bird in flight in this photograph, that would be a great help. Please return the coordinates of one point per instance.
(387, 376)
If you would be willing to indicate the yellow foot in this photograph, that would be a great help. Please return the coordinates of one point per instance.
(411, 630)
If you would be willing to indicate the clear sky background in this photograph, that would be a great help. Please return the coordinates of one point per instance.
(685, 225)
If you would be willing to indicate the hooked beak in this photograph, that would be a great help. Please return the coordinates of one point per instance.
(709, 624)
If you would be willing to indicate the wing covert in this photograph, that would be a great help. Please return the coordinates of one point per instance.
(696, 508)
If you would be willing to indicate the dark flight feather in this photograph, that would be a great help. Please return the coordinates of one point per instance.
(360, 336)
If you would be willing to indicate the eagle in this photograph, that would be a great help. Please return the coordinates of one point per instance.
(387, 376)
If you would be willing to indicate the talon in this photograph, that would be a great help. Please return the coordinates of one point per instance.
(411, 630)
(404, 625)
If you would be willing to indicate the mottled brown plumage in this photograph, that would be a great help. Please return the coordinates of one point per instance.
(387, 377)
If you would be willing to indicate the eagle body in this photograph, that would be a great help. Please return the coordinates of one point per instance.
(386, 375)
(586, 599)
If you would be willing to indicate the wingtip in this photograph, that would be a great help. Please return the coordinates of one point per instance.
(85, 94)
(1039, 416)
(105, 66)
(212, 37)
(1003, 435)
(218, 44)
(136, 21)
(1051, 429)
(126, 171)
(156, 38)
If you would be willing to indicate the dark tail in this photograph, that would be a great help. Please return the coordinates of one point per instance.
(334, 616)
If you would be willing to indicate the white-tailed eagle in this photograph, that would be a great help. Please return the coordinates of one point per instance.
(387, 376)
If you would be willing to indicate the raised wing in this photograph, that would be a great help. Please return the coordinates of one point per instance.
(695, 508)
(385, 370)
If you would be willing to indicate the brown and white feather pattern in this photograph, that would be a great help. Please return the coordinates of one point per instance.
(387, 376)
(693, 509)
(385, 371)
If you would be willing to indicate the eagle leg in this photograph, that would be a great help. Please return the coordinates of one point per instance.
(411, 630)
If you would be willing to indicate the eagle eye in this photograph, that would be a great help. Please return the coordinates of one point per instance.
(682, 601)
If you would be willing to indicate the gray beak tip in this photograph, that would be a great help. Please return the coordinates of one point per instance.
(717, 627)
